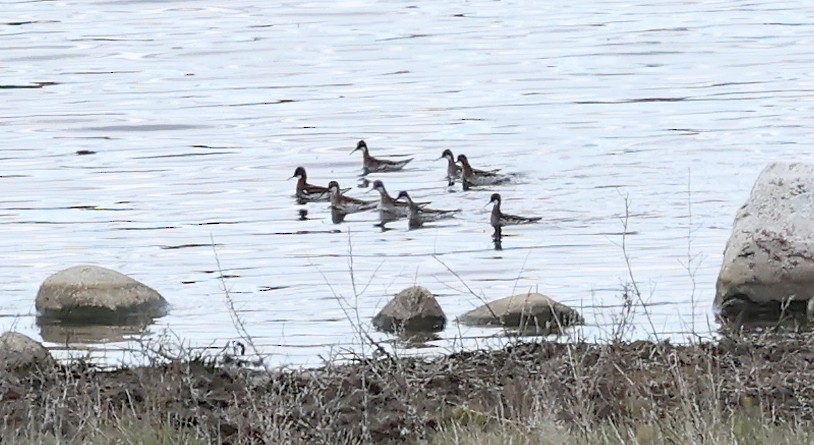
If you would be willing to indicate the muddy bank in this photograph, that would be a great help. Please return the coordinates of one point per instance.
(406, 400)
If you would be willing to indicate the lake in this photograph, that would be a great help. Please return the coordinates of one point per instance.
(157, 138)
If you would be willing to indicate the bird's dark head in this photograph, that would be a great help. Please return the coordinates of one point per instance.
(495, 198)
(299, 172)
(447, 154)
(361, 145)
(462, 159)
(333, 187)
(378, 185)
(403, 194)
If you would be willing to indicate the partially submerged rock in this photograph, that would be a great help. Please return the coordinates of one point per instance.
(414, 309)
(20, 351)
(526, 312)
(768, 265)
(96, 295)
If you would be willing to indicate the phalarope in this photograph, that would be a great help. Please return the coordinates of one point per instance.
(419, 215)
(371, 164)
(389, 205)
(346, 204)
(500, 219)
(453, 169)
(309, 192)
(471, 177)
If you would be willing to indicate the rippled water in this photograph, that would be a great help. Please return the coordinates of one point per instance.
(189, 117)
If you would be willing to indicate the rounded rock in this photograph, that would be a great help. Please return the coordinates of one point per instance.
(768, 264)
(529, 311)
(414, 309)
(93, 294)
(18, 351)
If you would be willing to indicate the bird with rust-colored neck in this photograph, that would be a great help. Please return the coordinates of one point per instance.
(472, 177)
(306, 192)
(499, 219)
(419, 215)
(453, 169)
(389, 205)
(371, 164)
(346, 204)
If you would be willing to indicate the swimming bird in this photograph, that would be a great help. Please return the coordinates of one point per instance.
(309, 192)
(473, 177)
(389, 205)
(419, 215)
(500, 219)
(371, 164)
(346, 204)
(453, 169)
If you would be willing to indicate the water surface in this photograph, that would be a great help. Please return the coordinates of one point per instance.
(156, 138)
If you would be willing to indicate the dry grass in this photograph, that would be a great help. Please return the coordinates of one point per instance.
(113, 432)
(742, 430)
(754, 390)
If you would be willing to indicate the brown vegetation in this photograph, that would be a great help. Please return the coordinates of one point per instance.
(636, 392)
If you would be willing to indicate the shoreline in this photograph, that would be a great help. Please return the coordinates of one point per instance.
(579, 389)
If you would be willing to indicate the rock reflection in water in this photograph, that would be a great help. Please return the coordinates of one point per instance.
(68, 333)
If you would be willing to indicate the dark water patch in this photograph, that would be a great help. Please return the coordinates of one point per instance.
(29, 22)
(84, 152)
(634, 232)
(97, 208)
(685, 131)
(217, 223)
(208, 146)
(727, 84)
(231, 276)
(305, 232)
(103, 138)
(272, 288)
(188, 246)
(407, 37)
(32, 85)
(273, 102)
(631, 101)
(788, 24)
(139, 229)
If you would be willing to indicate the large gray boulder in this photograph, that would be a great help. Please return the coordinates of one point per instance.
(414, 309)
(93, 294)
(20, 351)
(768, 264)
(532, 312)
